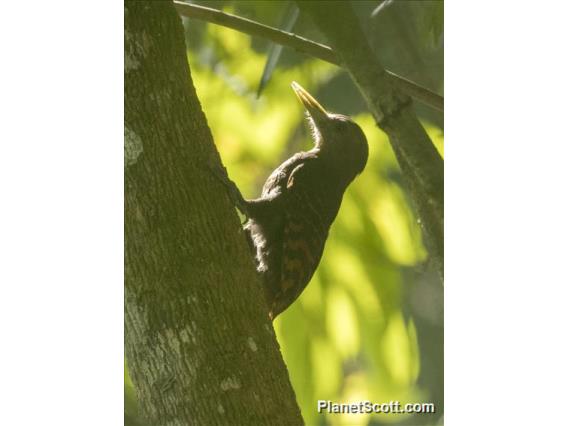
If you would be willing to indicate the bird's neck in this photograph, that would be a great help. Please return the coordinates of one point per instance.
(339, 171)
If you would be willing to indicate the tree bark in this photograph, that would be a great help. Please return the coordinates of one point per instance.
(199, 345)
(421, 164)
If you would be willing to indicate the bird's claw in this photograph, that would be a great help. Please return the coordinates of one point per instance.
(220, 172)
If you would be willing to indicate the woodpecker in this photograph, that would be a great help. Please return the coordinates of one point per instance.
(289, 223)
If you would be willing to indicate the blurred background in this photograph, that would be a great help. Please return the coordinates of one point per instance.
(369, 326)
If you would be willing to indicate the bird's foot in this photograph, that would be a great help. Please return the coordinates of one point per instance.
(220, 172)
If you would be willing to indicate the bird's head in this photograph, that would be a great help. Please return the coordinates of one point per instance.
(336, 136)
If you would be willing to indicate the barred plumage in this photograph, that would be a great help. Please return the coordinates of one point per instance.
(289, 224)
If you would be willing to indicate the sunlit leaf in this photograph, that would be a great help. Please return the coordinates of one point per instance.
(289, 19)
(342, 324)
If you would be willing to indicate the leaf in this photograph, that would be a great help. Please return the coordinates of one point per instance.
(381, 6)
(289, 19)
(430, 21)
(426, 17)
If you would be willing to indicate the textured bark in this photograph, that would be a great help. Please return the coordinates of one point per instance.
(422, 166)
(199, 345)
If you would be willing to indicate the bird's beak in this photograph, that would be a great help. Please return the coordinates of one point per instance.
(316, 111)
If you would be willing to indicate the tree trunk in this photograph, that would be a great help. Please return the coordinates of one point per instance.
(199, 345)
(421, 164)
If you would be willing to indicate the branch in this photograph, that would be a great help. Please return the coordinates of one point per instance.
(300, 44)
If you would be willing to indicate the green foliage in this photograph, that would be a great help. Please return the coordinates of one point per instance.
(431, 20)
(289, 18)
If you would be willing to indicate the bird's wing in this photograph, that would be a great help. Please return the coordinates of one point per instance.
(304, 235)
(278, 180)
